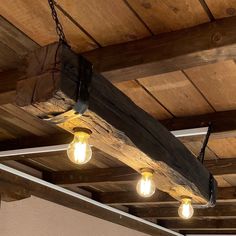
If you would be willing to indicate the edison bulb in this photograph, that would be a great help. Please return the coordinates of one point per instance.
(146, 186)
(186, 209)
(79, 150)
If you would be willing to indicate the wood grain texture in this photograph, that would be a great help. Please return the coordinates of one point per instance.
(118, 121)
(35, 20)
(14, 39)
(167, 15)
(225, 148)
(217, 83)
(176, 93)
(109, 22)
(144, 100)
(200, 45)
(221, 8)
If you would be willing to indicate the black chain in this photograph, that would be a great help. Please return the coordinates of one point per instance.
(59, 28)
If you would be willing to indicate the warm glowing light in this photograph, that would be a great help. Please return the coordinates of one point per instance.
(79, 150)
(186, 209)
(146, 186)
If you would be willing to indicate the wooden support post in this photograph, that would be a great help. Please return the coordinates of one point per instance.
(119, 127)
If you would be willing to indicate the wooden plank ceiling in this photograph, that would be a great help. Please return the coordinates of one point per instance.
(89, 24)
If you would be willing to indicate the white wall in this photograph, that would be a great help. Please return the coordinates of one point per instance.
(37, 217)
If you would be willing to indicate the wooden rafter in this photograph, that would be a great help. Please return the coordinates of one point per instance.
(223, 124)
(211, 224)
(206, 43)
(218, 212)
(224, 195)
(125, 174)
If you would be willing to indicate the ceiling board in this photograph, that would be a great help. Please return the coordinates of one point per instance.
(231, 179)
(176, 93)
(144, 100)
(35, 20)
(24, 120)
(222, 8)
(109, 22)
(168, 15)
(195, 148)
(224, 148)
(217, 82)
(221, 182)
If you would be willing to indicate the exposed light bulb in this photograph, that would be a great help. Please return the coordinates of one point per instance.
(186, 209)
(79, 150)
(146, 186)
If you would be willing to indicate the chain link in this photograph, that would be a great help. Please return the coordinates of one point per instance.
(59, 28)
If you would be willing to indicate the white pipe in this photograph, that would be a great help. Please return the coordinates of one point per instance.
(190, 132)
(86, 199)
(63, 147)
(34, 150)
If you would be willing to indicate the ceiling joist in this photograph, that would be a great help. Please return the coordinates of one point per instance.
(125, 174)
(224, 195)
(199, 45)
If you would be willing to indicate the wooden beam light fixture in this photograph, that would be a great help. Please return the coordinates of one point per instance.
(57, 79)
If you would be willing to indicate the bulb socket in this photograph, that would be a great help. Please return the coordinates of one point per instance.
(147, 171)
(82, 130)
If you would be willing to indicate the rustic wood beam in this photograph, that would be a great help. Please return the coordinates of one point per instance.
(223, 124)
(119, 127)
(199, 45)
(81, 204)
(193, 224)
(124, 174)
(224, 195)
(218, 212)
(92, 176)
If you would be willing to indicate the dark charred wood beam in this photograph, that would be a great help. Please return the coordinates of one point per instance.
(79, 204)
(202, 44)
(119, 127)
(218, 212)
(124, 174)
(92, 176)
(192, 224)
(223, 124)
(224, 195)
